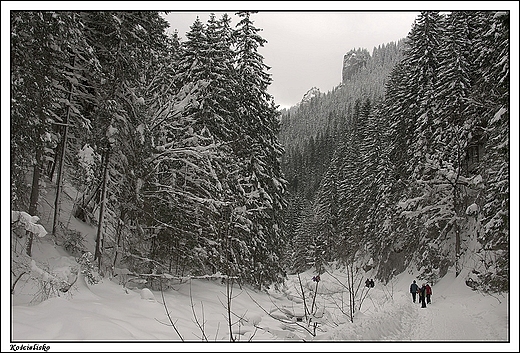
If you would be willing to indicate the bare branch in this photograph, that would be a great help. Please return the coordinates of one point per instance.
(201, 327)
(168, 314)
(277, 318)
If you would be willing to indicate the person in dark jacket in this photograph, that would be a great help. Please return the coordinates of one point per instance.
(428, 294)
(423, 295)
(413, 289)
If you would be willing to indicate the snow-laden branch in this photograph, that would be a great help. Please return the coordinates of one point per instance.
(185, 98)
(28, 222)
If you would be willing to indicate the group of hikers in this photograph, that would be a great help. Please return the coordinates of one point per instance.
(424, 292)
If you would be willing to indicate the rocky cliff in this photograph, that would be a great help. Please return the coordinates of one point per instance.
(353, 62)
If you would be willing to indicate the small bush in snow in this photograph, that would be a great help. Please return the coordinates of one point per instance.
(74, 241)
(88, 269)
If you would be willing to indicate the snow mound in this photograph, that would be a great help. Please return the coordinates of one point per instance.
(147, 295)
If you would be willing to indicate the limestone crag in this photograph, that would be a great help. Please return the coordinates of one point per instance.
(353, 62)
(313, 92)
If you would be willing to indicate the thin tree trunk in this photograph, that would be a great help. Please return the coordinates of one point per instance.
(305, 309)
(229, 295)
(118, 241)
(102, 209)
(350, 280)
(84, 205)
(62, 160)
(53, 166)
(457, 233)
(35, 193)
(457, 206)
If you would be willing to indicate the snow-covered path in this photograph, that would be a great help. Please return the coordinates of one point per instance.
(456, 314)
(448, 320)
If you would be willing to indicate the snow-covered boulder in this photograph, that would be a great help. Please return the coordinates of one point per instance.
(472, 210)
(147, 295)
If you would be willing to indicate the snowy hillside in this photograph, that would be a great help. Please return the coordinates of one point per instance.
(108, 311)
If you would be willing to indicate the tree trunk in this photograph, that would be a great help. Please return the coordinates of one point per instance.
(35, 193)
(62, 160)
(99, 236)
(52, 167)
(229, 298)
(118, 240)
(457, 249)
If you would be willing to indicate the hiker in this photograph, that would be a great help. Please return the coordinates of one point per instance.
(372, 283)
(367, 283)
(428, 294)
(423, 295)
(413, 289)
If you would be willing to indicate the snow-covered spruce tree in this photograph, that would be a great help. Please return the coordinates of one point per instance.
(491, 97)
(260, 182)
(327, 208)
(369, 144)
(207, 57)
(137, 235)
(306, 251)
(352, 230)
(376, 175)
(175, 184)
(204, 126)
(383, 183)
(180, 192)
(452, 187)
(422, 60)
(414, 92)
(292, 214)
(125, 44)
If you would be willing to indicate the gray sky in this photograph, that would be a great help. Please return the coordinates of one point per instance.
(305, 49)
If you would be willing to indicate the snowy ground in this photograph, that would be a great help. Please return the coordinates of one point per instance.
(107, 316)
(106, 312)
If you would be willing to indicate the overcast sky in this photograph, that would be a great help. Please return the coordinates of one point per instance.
(306, 49)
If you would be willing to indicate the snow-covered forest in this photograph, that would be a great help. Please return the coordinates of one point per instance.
(409, 169)
(173, 146)
(158, 193)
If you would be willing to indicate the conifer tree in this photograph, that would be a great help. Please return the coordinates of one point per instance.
(492, 93)
(327, 207)
(422, 62)
(260, 180)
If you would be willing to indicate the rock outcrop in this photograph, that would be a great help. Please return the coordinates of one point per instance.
(353, 62)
